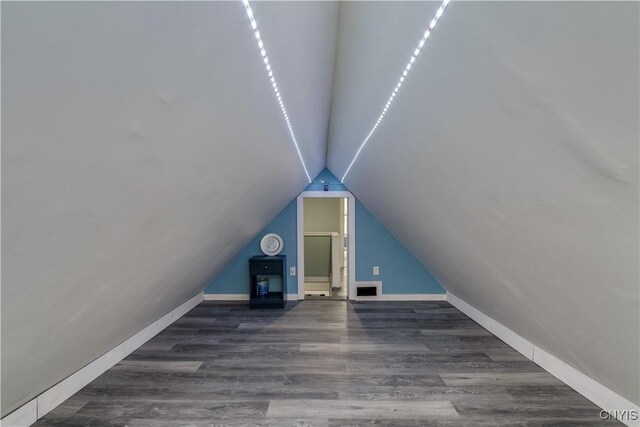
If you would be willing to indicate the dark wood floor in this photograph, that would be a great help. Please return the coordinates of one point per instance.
(321, 363)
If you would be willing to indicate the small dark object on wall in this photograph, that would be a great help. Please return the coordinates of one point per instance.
(326, 187)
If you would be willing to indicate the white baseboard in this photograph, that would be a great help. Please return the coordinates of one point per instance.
(36, 408)
(602, 396)
(48, 400)
(586, 386)
(505, 334)
(25, 415)
(381, 296)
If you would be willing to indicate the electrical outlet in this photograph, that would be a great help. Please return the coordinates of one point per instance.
(292, 271)
(376, 270)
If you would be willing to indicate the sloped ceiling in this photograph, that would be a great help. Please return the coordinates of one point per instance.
(142, 147)
(508, 163)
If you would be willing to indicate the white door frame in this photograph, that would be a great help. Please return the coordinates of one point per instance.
(351, 241)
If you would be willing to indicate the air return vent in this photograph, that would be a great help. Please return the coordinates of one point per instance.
(368, 290)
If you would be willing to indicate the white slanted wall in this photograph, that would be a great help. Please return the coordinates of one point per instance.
(141, 153)
(123, 130)
(508, 162)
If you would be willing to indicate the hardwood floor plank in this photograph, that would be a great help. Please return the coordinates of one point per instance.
(153, 365)
(510, 378)
(320, 363)
(360, 409)
(186, 409)
(455, 332)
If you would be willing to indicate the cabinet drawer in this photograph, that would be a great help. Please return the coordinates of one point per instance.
(265, 267)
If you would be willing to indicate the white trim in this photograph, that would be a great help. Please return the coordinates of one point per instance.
(300, 244)
(226, 297)
(351, 233)
(292, 297)
(395, 297)
(597, 393)
(586, 386)
(66, 388)
(25, 415)
(317, 194)
(505, 334)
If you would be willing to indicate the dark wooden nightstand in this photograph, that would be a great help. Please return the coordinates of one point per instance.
(273, 268)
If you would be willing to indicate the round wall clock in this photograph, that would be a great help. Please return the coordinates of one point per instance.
(271, 244)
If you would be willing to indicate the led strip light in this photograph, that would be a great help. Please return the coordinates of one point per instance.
(267, 65)
(416, 52)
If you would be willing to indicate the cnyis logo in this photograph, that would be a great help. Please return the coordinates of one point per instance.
(620, 415)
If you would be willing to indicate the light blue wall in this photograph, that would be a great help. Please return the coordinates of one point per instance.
(234, 278)
(326, 177)
(400, 272)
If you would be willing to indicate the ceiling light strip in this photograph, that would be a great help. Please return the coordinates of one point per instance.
(415, 54)
(267, 65)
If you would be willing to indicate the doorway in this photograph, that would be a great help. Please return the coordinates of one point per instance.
(326, 248)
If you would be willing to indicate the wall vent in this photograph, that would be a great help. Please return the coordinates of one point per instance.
(368, 290)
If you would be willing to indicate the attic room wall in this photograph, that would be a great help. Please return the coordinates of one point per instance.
(124, 124)
(508, 162)
(400, 271)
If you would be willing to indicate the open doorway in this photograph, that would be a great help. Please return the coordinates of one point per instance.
(325, 247)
